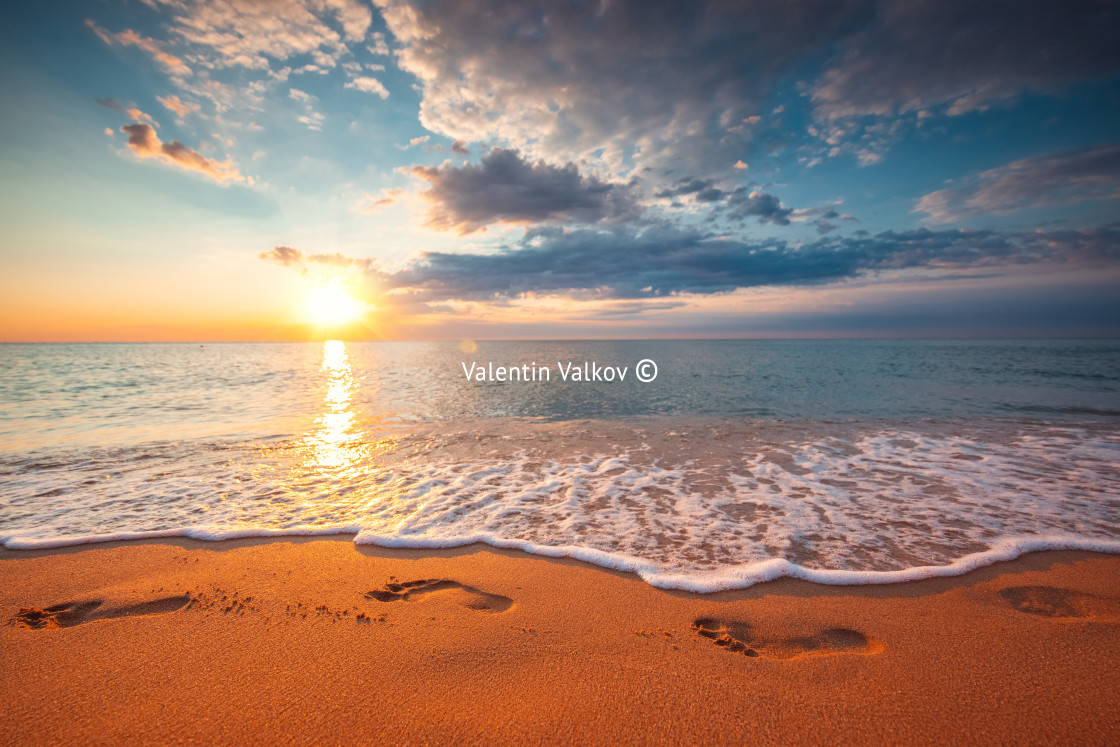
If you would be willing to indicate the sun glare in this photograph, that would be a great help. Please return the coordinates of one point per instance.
(330, 305)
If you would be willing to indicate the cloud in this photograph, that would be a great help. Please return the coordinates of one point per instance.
(313, 120)
(743, 204)
(630, 309)
(420, 140)
(369, 85)
(310, 117)
(132, 112)
(1091, 173)
(173, 104)
(224, 51)
(144, 143)
(967, 55)
(223, 34)
(138, 116)
(378, 45)
(627, 83)
(287, 256)
(665, 260)
(374, 204)
(506, 188)
(702, 190)
(128, 38)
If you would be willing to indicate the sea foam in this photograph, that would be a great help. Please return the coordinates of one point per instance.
(685, 505)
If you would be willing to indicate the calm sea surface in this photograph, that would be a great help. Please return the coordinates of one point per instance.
(839, 461)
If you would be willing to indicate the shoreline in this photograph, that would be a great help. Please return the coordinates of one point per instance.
(319, 639)
(733, 578)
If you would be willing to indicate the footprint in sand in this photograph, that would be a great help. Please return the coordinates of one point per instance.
(1051, 601)
(736, 637)
(69, 614)
(471, 597)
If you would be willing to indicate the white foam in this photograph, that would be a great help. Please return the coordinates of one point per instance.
(723, 579)
(696, 508)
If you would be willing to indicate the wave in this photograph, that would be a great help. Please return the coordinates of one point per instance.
(724, 579)
(689, 506)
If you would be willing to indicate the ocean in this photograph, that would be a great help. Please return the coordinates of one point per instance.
(740, 461)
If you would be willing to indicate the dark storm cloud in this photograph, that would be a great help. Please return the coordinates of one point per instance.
(1091, 173)
(505, 188)
(968, 54)
(663, 260)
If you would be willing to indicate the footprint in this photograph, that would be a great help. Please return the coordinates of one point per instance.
(1051, 601)
(475, 599)
(69, 614)
(59, 616)
(736, 637)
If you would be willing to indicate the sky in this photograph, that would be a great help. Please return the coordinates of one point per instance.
(450, 169)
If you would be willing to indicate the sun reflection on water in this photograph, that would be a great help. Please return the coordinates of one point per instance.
(336, 443)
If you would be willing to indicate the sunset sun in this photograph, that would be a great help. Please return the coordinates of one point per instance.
(330, 305)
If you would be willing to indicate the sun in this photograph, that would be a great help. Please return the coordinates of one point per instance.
(329, 305)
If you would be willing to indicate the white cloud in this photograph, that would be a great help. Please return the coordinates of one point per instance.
(369, 85)
(310, 117)
(173, 104)
(138, 116)
(129, 38)
(378, 46)
(222, 34)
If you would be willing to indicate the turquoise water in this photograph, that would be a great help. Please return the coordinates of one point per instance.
(96, 393)
(841, 461)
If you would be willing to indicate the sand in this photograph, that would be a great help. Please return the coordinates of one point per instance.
(313, 640)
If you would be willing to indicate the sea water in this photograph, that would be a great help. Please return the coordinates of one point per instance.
(741, 461)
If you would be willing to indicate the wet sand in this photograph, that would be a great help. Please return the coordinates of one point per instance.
(317, 640)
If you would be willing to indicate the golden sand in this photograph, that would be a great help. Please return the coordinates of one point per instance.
(312, 640)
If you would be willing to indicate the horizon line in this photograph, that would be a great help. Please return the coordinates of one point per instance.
(928, 338)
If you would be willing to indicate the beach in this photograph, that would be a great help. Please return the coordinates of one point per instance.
(300, 640)
(789, 542)
(593, 373)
